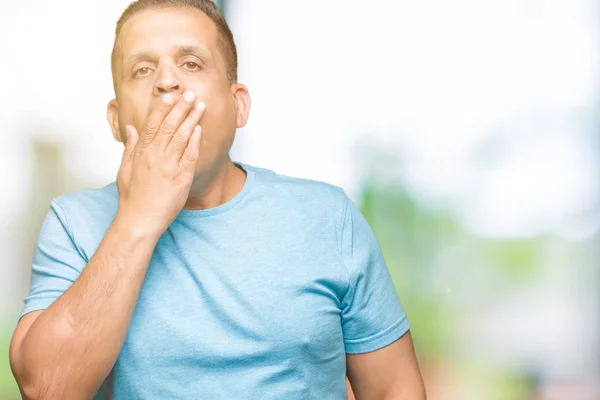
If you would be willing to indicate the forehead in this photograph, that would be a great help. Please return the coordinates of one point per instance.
(160, 29)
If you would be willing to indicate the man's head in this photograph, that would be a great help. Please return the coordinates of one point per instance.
(169, 46)
(225, 41)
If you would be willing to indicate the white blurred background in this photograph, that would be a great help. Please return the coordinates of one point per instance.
(468, 131)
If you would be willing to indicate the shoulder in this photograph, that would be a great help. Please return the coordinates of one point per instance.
(94, 202)
(87, 214)
(297, 190)
(306, 197)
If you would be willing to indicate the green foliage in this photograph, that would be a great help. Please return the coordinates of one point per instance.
(411, 238)
(517, 259)
(428, 252)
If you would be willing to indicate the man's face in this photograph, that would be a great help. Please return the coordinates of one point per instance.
(172, 50)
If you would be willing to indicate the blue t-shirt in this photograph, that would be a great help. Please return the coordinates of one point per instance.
(258, 298)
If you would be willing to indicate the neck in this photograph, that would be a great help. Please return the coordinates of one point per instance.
(216, 186)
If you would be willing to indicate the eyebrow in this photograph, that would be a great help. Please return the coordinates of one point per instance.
(178, 51)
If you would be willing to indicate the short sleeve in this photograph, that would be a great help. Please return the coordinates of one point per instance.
(56, 262)
(372, 316)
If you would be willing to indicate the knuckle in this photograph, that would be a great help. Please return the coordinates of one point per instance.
(188, 157)
(179, 138)
(144, 143)
(150, 127)
(167, 128)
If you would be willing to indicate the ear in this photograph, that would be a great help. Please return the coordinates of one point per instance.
(113, 120)
(242, 102)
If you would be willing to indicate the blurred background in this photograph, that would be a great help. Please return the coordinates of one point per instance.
(467, 131)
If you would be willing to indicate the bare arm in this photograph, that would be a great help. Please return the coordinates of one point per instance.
(390, 373)
(67, 350)
(70, 348)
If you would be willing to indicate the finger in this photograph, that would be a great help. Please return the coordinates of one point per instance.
(192, 151)
(173, 120)
(181, 139)
(130, 141)
(155, 119)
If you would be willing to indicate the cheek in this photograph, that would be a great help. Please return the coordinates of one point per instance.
(220, 115)
(133, 112)
(218, 129)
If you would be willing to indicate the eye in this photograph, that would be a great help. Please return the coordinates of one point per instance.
(191, 66)
(144, 71)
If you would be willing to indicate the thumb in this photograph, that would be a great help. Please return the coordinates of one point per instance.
(130, 141)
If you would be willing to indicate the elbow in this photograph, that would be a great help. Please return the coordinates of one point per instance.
(48, 388)
(40, 391)
(37, 389)
(22, 377)
(29, 392)
(31, 388)
(36, 377)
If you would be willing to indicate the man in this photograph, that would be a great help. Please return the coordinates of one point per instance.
(193, 277)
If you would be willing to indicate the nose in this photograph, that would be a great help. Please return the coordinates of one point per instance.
(168, 81)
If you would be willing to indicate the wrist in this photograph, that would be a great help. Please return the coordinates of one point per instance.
(135, 227)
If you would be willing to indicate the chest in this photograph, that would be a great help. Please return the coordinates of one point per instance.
(209, 303)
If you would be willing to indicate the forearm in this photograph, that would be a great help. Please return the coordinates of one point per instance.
(72, 346)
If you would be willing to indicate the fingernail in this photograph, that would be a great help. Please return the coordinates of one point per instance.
(199, 105)
(189, 96)
(167, 98)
